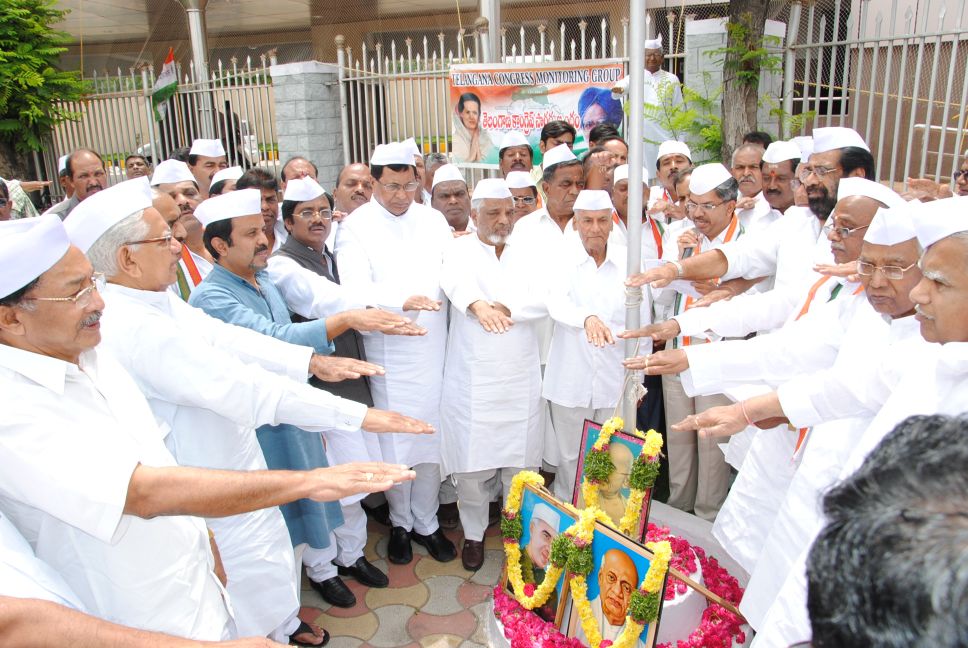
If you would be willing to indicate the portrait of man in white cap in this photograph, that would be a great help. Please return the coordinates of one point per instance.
(541, 528)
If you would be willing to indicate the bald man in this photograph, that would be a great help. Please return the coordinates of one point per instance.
(617, 579)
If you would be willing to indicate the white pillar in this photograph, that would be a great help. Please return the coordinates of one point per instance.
(491, 9)
(633, 297)
(195, 9)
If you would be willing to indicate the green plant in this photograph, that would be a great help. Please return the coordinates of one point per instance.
(31, 87)
(695, 120)
(749, 56)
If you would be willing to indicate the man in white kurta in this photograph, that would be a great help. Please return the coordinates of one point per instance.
(390, 255)
(583, 379)
(491, 405)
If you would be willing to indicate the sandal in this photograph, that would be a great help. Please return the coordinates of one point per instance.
(305, 628)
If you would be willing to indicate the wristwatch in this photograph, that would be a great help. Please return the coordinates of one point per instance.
(678, 266)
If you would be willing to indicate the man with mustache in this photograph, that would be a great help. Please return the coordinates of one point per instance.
(754, 211)
(778, 169)
(524, 192)
(515, 153)
(268, 187)
(205, 159)
(175, 179)
(106, 506)
(85, 177)
(488, 433)
(449, 196)
(791, 250)
(617, 579)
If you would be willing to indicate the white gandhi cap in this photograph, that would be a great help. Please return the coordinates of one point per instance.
(891, 226)
(171, 171)
(673, 147)
(592, 200)
(92, 218)
(622, 173)
(392, 153)
(491, 188)
(707, 177)
(231, 173)
(836, 137)
(546, 514)
(446, 173)
(244, 202)
(207, 148)
(29, 247)
(303, 189)
(513, 138)
(940, 219)
(849, 187)
(519, 180)
(781, 151)
(557, 155)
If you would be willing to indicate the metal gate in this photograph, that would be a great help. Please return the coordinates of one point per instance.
(117, 120)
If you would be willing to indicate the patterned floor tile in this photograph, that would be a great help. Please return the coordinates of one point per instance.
(491, 571)
(443, 595)
(415, 596)
(360, 628)
(441, 641)
(429, 568)
(393, 623)
(462, 624)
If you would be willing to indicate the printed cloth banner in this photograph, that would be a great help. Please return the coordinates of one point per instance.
(488, 100)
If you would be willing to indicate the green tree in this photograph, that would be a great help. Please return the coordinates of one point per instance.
(30, 83)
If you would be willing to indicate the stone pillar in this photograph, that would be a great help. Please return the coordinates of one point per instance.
(308, 118)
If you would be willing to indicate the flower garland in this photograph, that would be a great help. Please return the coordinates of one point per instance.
(526, 630)
(598, 467)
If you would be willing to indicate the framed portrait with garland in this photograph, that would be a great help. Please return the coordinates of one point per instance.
(616, 473)
(620, 567)
(543, 518)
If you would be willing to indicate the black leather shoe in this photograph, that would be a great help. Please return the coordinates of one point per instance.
(448, 516)
(335, 592)
(472, 555)
(399, 550)
(364, 571)
(379, 514)
(438, 546)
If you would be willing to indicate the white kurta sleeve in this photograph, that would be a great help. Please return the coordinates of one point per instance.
(562, 307)
(740, 315)
(183, 370)
(308, 294)
(753, 255)
(245, 344)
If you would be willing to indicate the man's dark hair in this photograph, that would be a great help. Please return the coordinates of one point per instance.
(854, 157)
(136, 155)
(16, 297)
(500, 154)
(289, 206)
(376, 170)
(217, 187)
(180, 154)
(557, 128)
(602, 133)
(728, 190)
(296, 158)
(549, 172)
(257, 178)
(890, 568)
(760, 138)
(69, 165)
(3, 190)
(219, 229)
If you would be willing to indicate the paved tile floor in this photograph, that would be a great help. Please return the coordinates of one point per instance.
(428, 604)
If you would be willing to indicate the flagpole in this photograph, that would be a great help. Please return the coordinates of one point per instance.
(633, 296)
(150, 107)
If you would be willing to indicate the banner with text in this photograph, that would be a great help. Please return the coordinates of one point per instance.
(488, 100)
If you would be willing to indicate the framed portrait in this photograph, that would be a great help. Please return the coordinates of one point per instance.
(623, 449)
(619, 565)
(543, 518)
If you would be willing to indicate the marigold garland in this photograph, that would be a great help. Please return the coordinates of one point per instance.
(598, 467)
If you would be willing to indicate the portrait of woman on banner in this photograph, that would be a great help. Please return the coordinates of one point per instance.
(471, 143)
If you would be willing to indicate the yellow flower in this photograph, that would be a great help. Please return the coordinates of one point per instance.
(579, 592)
(662, 554)
(653, 444)
(589, 492)
(633, 512)
(524, 477)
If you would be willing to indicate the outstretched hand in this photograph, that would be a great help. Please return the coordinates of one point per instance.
(336, 482)
(377, 420)
(335, 369)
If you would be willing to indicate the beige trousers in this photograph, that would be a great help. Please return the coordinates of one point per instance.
(699, 476)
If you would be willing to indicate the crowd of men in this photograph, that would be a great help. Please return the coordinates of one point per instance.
(206, 370)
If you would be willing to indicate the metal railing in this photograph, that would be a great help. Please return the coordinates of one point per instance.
(235, 105)
(902, 87)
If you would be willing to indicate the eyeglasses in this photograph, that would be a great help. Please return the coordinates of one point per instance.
(959, 174)
(309, 214)
(394, 187)
(819, 171)
(692, 207)
(842, 232)
(82, 297)
(891, 272)
(527, 200)
(166, 239)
